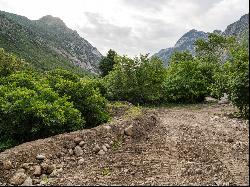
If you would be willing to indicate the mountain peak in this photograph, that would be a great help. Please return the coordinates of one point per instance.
(192, 30)
(188, 39)
(239, 27)
(245, 17)
(53, 21)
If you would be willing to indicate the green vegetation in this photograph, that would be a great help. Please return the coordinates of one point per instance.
(106, 171)
(117, 144)
(39, 44)
(185, 83)
(83, 93)
(36, 105)
(184, 56)
(107, 63)
(132, 112)
(233, 79)
(137, 80)
(220, 66)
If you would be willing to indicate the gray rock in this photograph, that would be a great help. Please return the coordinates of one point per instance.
(210, 100)
(104, 148)
(60, 165)
(43, 182)
(107, 145)
(126, 170)
(36, 181)
(7, 165)
(230, 140)
(71, 152)
(81, 161)
(44, 167)
(224, 99)
(50, 169)
(96, 149)
(47, 168)
(25, 166)
(129, 130)
(27, 182)
(101, 152)
(40, 157)
(107, 128)
(198, 171)
(77, 140)
(81, 143)
(21, 170)
(78, 151)
(18, 179)
(38, 171)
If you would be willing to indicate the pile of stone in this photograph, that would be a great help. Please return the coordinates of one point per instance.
(33, 173)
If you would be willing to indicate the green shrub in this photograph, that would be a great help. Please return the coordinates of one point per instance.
(9, 63)
(239, 91)
(238, 79)
(107, 63)
(185, 82)
(178, 56)
(220, 78)
(233, 79)
(214, 49)
(136, 80)
(84, 94)
(35, 111)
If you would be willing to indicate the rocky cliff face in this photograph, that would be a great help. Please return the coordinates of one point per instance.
(47, 43)
(239, 29)
(69, 44)
(186, 42)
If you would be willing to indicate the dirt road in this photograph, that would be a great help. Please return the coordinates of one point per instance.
(192, 145)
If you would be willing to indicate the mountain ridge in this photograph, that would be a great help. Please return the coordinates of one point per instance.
(239, 29)
(47, 37)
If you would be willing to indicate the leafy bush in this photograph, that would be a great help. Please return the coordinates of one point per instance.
(30, 109)
(185, 82)
(107, 63)
(178, 56)
(9, 63)
(213, 53)
(136, 80)
(84, 94)
(233, 78)
(220, 78)
(239, 90)
(214, 49)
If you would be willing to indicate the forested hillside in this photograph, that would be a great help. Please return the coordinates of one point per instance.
(47, 43)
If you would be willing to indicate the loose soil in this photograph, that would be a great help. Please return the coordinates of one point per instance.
(190, 145)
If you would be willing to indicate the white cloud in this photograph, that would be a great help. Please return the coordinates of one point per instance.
(133, 26)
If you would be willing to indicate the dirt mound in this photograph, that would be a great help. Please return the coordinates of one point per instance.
(61, 152)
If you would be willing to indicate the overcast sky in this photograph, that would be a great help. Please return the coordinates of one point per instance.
(133, 26)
